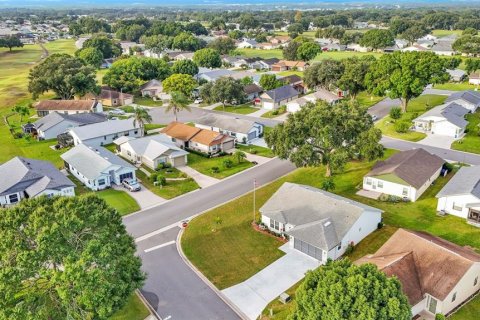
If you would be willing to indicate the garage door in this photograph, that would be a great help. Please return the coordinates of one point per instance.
(126, 176)
(308, 249)
(179, 161)
(252, 135)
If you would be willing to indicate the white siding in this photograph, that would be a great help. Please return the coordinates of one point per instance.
(54, 131)
(446, 204)
(463, 290)
(104, 140)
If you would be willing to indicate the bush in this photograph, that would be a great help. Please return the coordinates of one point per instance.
(227, 163)
(448, 166)
(253, 151)
(380, 225)
(350, 248)
(153, 177)
(274, 112)
(161, 180)
(215, 169)
(402, 126)
(396, 113)
(440, 316)
(18, 135)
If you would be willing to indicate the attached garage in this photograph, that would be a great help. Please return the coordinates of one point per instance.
(179, 161)
(308, 249)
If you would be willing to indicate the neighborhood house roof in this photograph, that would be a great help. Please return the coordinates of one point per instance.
(96, 130)
(456, 73)
(32, 176)
(465, 181)
(107, 93)
(45, 105)
(281, 93)
(54, 118)
(152, 147)
(453, 113)
(180, 131)
(423, 263)
(470, 96)
(325, 95)
(151, 84)
(210, 138)
(226, 123)
(93, 161)
(320, 218)
(252, 88)
(415, 167)
(291, 79)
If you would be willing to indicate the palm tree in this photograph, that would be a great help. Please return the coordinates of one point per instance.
(141, 116)
(177, 103)
(22, 111)
(239, 156)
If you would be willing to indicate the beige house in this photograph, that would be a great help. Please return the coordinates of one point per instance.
(45, 107)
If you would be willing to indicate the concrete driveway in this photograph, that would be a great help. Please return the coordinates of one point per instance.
(201, 179)
(253, 295)
(145, 198)
(439, 141)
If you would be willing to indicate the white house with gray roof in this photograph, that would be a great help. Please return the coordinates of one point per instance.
(446, 119)
(273, 99)
(100, 134)
(469, 99)
(318, 223)
(242, 130)
(461, 195)
(24, 178)
(96, 167)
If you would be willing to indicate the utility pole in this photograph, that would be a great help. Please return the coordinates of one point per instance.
(254, 191)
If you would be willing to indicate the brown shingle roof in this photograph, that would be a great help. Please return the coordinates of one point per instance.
(65, 105)
(413, 166)
(252, 88)
(423, 263)
(210, 138)
(109, 93)
(180, 131)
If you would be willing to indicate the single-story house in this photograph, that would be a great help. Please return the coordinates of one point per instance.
(320, 94)
(443, 48)
(406, 174)
(127, 45)
(186, 55)
(437, 276)
(297, 104)
(319, 223)
(44, 107)
(152, 88)
(242, 130)
(105, 132)
(446, 119)
(236, 62)
(415, 47)
(207, 141)
(53, 124)
(272, 99)
(334, 47)
(24, 178)
(295, 81)
(267, 46)
(252, 91)
(96, 167)
(469, 99)
(266, 64)
(213, 75)
(152, 151)
(247, 43)
(356, 47)
(457, 75)
(111, 97)
(461, 195)
(285, 65)
(474, 78)
(279, 39)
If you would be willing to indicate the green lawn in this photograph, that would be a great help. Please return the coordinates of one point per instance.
(147, 101)
(367, 100)
(151, 126)
(133, 310)
(174, 188)
(470, 311)
(338, 55)
(240, 109)
(260, 151)
(119, 200)
(416, 107)
(61, 46)
(274, 113)
(204, 165)
(455, 86)
(290, 72)
(100, 74)
(264, 54)
(443, 33)
(471, 141)
(222, 244)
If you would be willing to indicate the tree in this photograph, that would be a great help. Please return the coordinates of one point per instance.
(186, 41)
(307, 51)
(361, 292)
(208, 58)
(196, 28)
(90, 56)
(246, 80)
(185, 67)
(414, 32)
(398, 26)
(248, 21)
(321, 135)
(140, 117)
(177, 103)
(470, 31)
(157, 43)
(224, 90)
(331, 32)
(236, 34)
(239, 156)
(59, 260)
(222, 45)
(472, 65)
(183, 83)
(452, 63)
(405, 75)
(353, 77)
(269, 81)
(108, 47)
(290, 50)
(130, 73)
(377, 38)
(10, 42)
(22, 111)
(395, 113)
(63, 74)
(467, 44)
(324, 74)
(295, 29)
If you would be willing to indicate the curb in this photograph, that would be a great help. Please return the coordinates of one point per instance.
(206, 281)
(149, 307)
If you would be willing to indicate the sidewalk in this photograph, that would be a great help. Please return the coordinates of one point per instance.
(258, 113)
(200, 178)
(210, 107)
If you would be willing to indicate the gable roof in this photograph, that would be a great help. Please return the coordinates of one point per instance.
(226, 123)
(96, 130)
(465, 181)
(210, 138)
(293, 78)
(453, 113)
(281, 93)
(93, 161)
(151, 84)
(413, 166)
(152, 147)
(470, 96)
(107, 93)
(314, 213)
(180, 131)
(423, 263)
(252, 88)
(32, 176)
(51, 105)
(54, 118)
(325, 95)
(270, 61)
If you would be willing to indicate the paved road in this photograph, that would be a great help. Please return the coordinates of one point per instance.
(171, 287)
(382, 108)
(446, 154)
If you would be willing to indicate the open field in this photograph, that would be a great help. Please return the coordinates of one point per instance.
(443, 33)
(471, 141)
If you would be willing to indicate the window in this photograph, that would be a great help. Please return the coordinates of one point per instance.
(339, 246)
(13, 198)
(475, 281)
(101, 182)
(369, 181)
(277, 225)
(456, 207)
(128, 153)
(104, 137)
(380, 184)
(136, 132)
(405, 191)
(454, 296)
(271, 223)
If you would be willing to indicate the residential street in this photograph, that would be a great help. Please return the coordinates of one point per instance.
(382, 108)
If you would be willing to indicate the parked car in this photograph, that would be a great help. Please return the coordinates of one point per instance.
(131, 184)
(374, 118)
(197, 101)
(118, 112)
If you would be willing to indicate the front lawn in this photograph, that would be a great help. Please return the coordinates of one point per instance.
(173, 188)
(133, 310)
(367, 100)
(226, 249)
(415, 108)
(259, 151)
(275, 113)
(204, 165)
(147, 101)
(471, 141)
(455, 86)
(240, 109)
(119, 200)
(470, 311)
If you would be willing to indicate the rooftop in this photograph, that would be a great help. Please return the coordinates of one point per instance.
(96, 130)
(84, 105)
(226, 123)
(465, 181)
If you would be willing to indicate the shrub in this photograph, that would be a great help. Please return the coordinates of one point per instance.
(215, 169)
(274, 112)
(18, 135)
(440, 316)
(161, 180)
(253, 151)
(227, 163)
(350, 248)
(153, 177)
(402, 126)
(448, 166)
(396, 113)
(380, 225)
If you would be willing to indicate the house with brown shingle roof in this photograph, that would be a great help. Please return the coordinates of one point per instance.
(203, 140)
(406, 174)
(285, 65)
(45, 107)
(111, 97)
(437, 276)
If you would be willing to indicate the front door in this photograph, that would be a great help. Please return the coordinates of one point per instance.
(432, 304)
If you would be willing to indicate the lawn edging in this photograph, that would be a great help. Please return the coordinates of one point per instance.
(152, 311)
(205, 279)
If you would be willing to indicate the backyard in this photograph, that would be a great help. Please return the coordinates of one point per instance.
(471, 141)
(207, 165)
(416, 107)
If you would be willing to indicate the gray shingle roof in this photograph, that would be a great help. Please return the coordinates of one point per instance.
(413, 166)
(226, 123)
(281, 93)
(469, 96)
(465, 181)
(453, 113)
(309, 209)
(154, 146)
(102, 129)
(33, 176)
(92, 161)
(54, 118)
